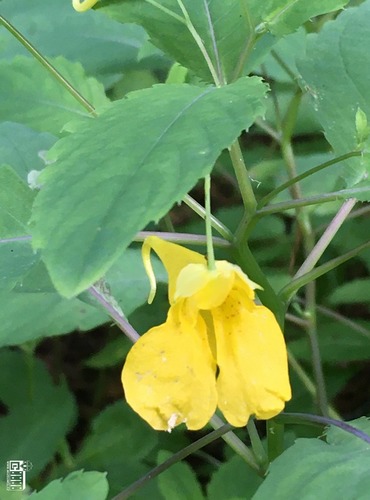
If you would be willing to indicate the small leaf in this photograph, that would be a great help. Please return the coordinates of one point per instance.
(179, 481)
(78, 485)
(233, 480)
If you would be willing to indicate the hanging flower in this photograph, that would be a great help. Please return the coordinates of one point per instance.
(84, 5)
(216, 348)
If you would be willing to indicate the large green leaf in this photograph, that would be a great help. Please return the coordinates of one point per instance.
(128, 167)
(226, 28)
(39, 413)
(102, 45)
(47, 314)
(78, 485)
(30, 95)
(336, 72)
(314, 469)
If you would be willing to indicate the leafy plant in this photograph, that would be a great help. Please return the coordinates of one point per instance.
(238, 128)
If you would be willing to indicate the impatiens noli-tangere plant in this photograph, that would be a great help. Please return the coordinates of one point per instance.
(214, 156)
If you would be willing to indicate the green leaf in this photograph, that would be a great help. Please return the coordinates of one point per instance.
(16, 260)
(15, 204)
(47, 314)
(233, 480)
(118, 437)
(336, 71)
(220, 25)
(30, 95)
(314, 469)
(117, 434)
(78, 485)
(39, 413)
(227, 28)
(23, 148)
(101, 45)
(338, 343)
(352, 292)
(95, 198)
(179, 481)
(285, 16)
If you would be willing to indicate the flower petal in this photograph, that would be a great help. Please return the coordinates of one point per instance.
(207, 289)
(174, 258)
(169, 374)
(252, 359)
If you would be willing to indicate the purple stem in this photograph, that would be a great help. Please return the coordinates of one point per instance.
(120, 320)
(326, 238)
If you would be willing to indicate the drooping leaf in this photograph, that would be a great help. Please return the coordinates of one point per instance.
(314, 469)
(78, 485)
(101, 45)
(335, 73)
(39, 413)
(128, 167)
(30, 95)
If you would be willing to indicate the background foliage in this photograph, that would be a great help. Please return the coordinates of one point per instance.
(82, 173)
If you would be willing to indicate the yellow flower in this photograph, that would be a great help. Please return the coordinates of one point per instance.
(216, 348)
(84, 5)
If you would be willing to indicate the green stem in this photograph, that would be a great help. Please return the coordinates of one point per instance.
(312, 200)
(237, 445)
(183, 238)
(307, 382)
(288, 291)
(207, 197)
(216, 224)
(177, 457)
(199, 42)
(50, 68)
(305, 227)
(242, 176)
(257, 446)
(284, 66)
(264, 201)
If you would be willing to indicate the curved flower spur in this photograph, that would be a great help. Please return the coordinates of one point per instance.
(217, 348)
